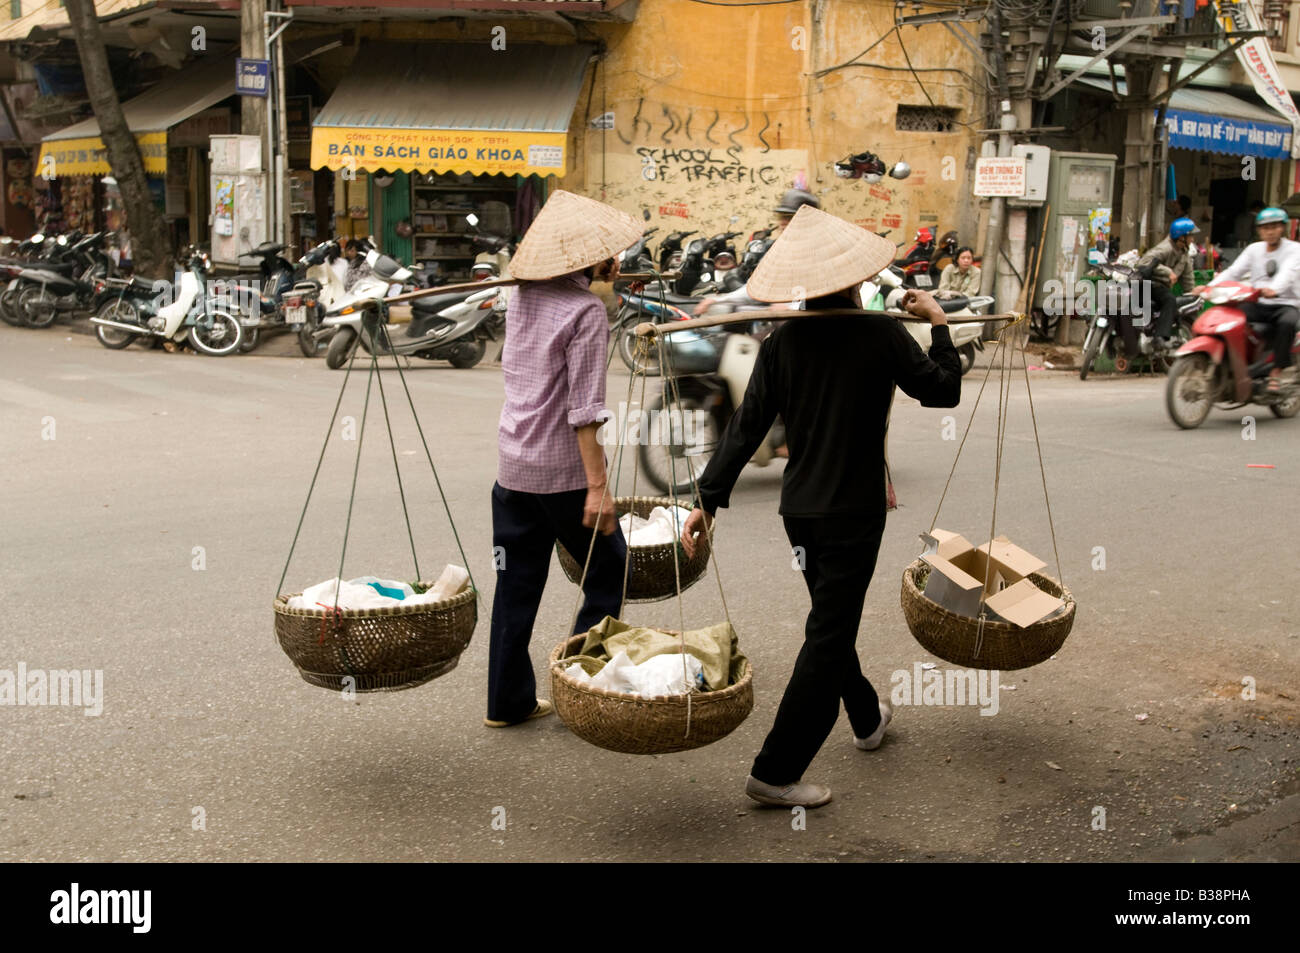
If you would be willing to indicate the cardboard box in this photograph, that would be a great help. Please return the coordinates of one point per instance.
(963, 578)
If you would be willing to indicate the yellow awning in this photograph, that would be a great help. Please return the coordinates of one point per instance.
(448, 107)
(438, 150)
(89, 156)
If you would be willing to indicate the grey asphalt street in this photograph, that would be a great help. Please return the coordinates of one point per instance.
(1134, 743)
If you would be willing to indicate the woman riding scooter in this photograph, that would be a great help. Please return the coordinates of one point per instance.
(1271, 264)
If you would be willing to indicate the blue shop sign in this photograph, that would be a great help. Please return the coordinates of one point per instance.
(1237, 137)
(252, 77)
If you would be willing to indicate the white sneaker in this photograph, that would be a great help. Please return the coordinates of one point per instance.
(788, 795)
(872, 741)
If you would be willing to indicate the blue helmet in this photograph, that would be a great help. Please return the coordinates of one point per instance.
(1270, 215)
(1182, 226)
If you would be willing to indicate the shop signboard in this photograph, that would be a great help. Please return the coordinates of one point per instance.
(89, 155)
(480, 152)
(1256, 58)
(1000, 176)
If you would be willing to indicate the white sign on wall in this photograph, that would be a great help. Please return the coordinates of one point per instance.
(1002, 176)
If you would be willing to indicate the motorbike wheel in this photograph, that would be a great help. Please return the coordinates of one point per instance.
(307, 342)
(9, 308)
(671, 448)
(967, 354)
(1288, 407)
(627, 349)
(217, 335)
(1190, 390)
(467, 354)
(340, 348)
(249, 339)
(113, 338)
(1091, 347)
(37, 308)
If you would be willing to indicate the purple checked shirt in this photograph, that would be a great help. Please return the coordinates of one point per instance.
(554, 368)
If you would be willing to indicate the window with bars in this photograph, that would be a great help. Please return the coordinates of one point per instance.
(1277, 16)
(926, 118)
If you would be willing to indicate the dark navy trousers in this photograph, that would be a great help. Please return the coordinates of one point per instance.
(525, 528)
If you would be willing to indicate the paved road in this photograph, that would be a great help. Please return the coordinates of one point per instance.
(203, 717)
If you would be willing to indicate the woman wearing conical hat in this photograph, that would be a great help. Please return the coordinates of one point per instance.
(551, 478)
(832, 379)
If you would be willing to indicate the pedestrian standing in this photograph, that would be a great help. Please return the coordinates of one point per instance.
(832, 379)
(552, 482)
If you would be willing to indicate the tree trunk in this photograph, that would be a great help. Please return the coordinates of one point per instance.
(149, 244)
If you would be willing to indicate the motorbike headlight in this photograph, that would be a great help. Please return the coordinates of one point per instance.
(724, 260)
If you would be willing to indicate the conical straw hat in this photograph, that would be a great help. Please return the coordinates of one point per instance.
(570, 233)
(815, 255)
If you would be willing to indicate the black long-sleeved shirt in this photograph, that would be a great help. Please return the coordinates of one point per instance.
(831, 379)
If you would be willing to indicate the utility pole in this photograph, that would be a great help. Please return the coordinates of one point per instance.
(252, 46)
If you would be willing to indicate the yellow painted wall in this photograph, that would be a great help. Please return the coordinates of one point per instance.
(716, 111)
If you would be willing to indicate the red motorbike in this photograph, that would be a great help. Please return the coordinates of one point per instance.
(1226, 363)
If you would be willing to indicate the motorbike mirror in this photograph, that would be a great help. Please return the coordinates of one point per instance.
(901, 170)
(645, 214)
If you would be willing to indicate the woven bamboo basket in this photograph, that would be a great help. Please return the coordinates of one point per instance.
(382, 650)
(954, 638)
(651, 577)
(636, 724)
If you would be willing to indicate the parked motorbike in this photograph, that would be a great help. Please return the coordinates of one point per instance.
(703, 261)
(193, 314)
(124, 301)
(1103, 334)
(966, 337)
(453, 327)
(670, 250)
(47, 291)
(1226, 364)
(260, 311)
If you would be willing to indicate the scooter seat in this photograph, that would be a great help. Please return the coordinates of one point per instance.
(949, 305)
(432, 304)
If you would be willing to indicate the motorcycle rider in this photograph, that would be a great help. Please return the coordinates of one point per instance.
(1272, 265)
(1167, 261)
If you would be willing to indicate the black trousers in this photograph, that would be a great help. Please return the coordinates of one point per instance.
(1284, 321)
(840, 556)
(525, 526)
(1165, 303)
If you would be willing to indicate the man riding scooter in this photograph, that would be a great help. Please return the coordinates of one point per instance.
(1164, 263)
(1272, 265)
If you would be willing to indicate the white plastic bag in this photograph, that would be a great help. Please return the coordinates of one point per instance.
(663, 525)
(657, 675)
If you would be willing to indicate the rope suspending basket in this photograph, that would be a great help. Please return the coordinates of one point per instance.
(985, 641)
(376, 649)
(642, 724)
(659, 571)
